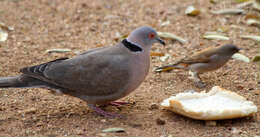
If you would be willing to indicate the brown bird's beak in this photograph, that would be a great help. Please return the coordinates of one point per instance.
(238, 49)
(160, 41)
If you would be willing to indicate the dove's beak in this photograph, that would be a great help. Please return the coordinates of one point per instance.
(160, 41)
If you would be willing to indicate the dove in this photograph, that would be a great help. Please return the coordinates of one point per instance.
(209, 59)
(98, 76)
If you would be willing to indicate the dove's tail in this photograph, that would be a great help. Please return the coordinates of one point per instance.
(20, 81)
(168, 68)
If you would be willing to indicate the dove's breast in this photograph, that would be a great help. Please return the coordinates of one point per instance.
(109, 77)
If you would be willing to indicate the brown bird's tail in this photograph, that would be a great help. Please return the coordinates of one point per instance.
(20, 81)
(168, 68)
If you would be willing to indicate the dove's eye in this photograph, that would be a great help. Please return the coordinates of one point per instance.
(151, 35)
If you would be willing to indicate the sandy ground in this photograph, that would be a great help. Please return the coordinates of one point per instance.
(84, 24)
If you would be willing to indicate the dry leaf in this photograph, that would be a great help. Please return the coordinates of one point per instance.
(165, 57)
(241, 1)
(215, 36)
(223, 29)
(3, 35)
(256, 58)
(214, 1)
(5, 27)
(244, 4)
(166, 69)
(253, 37)
(3, 31)
(252, 19)
(241, 57)
(229, 11)
(256, 4)
(57, 50)
(158, 54)
(253, 22)
(192, 11)
(113, 130)
(167, 35)
(166, 23)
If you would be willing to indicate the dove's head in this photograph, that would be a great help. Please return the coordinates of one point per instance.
(145, 37)
(228, 49)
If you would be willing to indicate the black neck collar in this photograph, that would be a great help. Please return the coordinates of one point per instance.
(132, 47)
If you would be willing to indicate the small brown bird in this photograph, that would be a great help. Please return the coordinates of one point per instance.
(206, 60)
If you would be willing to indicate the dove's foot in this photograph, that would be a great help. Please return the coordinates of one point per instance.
(118, 103)
(200, 84)
(103, 113)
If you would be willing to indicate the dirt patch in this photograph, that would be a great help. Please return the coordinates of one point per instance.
(84, 24)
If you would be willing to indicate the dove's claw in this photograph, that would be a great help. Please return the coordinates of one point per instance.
(118, 103)
(103, 113)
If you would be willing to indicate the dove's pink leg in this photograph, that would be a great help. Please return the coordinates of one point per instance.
(102, 112)
(118, 103)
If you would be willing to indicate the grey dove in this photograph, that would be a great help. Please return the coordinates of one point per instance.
(203, 61)
(98, 76)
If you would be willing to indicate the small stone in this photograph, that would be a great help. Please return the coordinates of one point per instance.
(26, 111)
(101, 135)
(103, 120)
(192, 11)
(154, 106)
(235, 131)
(135, 125)
(160, 121)
(211, 123)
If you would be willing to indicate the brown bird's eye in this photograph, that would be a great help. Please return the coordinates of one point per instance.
(151, 35)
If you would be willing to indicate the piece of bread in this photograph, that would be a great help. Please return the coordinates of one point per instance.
(217, 104)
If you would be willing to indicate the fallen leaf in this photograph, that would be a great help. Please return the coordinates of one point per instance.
(165, 57)
(238, 56)
(256, 58)
(213, 1)
(253, 37)
(113, 130)
(252, 16)
(215, 36)
(241, 1)
(166, 69)
(256, 4)
(5, 27)
(30, 110)
(166, 23)
(118, 36)
(158, 54)
(3, 35)
(244, 4)
(192, 11)
(253, 20)
(167, 35)
(57, 50)
(223, 29)
(229, 11)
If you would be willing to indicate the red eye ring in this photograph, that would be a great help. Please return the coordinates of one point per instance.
(151, 35)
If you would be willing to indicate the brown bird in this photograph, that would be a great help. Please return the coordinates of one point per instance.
(206, 60)
(98, 76)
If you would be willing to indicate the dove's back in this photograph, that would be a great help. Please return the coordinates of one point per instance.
(99, 76)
